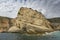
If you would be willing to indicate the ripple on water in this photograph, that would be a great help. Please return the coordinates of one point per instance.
(17, 36)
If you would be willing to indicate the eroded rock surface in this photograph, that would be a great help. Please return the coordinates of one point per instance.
(4, 24)
(32, 21)
(27, 21)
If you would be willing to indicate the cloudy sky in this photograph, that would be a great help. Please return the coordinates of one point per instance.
(50, 8)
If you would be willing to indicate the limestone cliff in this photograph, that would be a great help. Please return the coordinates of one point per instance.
(28, 21)
(33, 21)
(4, 24)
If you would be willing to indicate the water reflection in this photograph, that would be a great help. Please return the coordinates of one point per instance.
(17, 36)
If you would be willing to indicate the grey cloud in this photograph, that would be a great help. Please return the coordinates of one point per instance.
(50, 8)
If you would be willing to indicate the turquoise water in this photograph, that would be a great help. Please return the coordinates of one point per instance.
(17, 36)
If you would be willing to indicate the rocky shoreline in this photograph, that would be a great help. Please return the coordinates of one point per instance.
(27, 21)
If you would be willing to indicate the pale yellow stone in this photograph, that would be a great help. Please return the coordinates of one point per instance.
(14, 29)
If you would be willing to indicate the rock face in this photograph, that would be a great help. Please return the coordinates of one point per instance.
(32, 21)
(14, 29)
(4, 24)
(27, 21)
(55, 23)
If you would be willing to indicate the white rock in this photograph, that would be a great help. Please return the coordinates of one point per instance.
(14, 29)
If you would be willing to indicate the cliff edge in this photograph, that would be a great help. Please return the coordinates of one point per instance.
(27, 21)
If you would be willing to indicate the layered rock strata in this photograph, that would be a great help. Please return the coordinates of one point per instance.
(27, 21)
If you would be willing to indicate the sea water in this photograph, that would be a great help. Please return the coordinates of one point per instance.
(18, 36)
